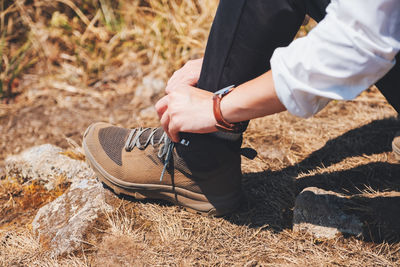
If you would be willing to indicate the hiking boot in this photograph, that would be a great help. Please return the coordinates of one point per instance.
(396, 147)
(202, 175)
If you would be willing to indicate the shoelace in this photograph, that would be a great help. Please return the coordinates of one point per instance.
(166, 150)
(168, 146)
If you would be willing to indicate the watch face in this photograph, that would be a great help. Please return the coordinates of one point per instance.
(224, 91)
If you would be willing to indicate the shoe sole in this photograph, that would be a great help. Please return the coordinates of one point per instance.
(396, 151)
(190, 201)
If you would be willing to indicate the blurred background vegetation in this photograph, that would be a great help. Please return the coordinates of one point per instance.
(85, 38)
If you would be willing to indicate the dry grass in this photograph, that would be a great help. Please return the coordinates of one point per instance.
(108, 61)
(175, 237)
(84, 42)
(21, 248)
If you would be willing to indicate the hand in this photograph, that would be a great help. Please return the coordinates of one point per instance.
(188, 74)
(186, 109)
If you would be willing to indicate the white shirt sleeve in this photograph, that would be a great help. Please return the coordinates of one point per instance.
(348, 51)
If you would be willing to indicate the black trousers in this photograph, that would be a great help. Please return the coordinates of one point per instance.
(245, 33)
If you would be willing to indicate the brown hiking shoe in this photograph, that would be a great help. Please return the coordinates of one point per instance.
(396, 146)
(203, 176)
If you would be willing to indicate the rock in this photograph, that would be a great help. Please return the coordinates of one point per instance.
(64, 224)
(148, 112)
(147, 90)
(69, 221)
(46, 164)
(321, 213)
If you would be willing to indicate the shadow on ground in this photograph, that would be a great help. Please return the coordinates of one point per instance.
(271, 194)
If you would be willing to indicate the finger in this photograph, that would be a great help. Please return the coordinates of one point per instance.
(174, 77)
(161, 106)
(164, 120)
(173, 132)
(169, 89)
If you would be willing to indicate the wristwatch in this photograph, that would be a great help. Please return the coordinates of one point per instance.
(222, 124)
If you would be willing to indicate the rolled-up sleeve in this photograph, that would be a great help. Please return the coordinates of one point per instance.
(347, 52)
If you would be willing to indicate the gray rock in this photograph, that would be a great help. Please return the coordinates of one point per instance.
(149, 112)
(321, 213)
(64, 223)
(46, 164)
(150, 87)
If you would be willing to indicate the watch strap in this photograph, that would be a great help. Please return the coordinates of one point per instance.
(222, 124)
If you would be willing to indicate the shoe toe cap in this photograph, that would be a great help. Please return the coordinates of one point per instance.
(92, 143)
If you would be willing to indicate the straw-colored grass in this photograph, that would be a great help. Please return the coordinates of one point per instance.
(93, 37)
(20, 248)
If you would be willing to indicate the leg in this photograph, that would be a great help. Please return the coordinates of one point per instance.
(243, 37)
(389, 85)
(245, 34)
(316, 8)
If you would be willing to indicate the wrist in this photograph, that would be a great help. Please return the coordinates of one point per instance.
(253, 99)
(226, 110)
(222, 124)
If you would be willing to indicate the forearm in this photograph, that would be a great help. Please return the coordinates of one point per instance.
(253, 99)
